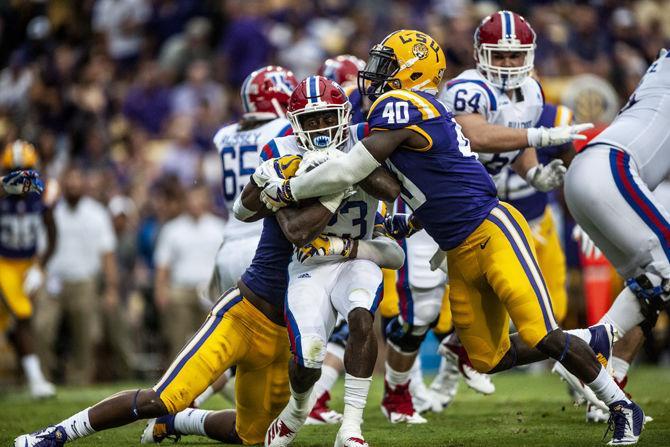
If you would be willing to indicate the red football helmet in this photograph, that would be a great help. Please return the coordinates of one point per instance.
(266, 91)
(342, 69)
(504, 31)
(313, 95)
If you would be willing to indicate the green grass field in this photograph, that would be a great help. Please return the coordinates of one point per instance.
(526, 410)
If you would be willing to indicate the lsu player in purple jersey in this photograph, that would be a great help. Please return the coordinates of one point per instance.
(22, 213)
(498, 105)
(492, 264)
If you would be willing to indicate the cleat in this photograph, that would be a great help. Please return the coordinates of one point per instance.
(397, 405)
(445, 383)
(279, 434)
(159, 429)
(456, 354)
(343, 440)
(47, 437)
(321, 414)
(596, 414)
(626, 421)
(42, 390)
(423, 399)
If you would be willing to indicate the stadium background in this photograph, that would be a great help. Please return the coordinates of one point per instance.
(133, 90)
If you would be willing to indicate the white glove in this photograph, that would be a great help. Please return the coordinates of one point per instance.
(546, 178)
(33, 280)
(439, 261)
(555, 136)
(264, 173)
(586, 244)
(312, 159)
(277, 194)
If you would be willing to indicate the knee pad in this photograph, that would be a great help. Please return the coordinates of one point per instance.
(312, 351)
(653, 293)
(405, 337)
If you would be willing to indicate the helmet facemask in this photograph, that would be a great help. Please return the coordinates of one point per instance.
(330, 137)
(377, 76)
(505, 78)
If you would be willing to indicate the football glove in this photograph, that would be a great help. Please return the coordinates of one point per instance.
(22, 182)
(324, 246)
(399, 226)
(546, 178)
(33, 280)
(312, 159)
(555, 136)
(283, 167)
(586, 244)
(277, 194)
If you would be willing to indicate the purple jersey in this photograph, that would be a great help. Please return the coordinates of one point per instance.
(447, 187)
(267, 275)
(20, 220)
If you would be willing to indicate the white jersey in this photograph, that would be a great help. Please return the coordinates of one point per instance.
(470, 92)
(356, 216)
(642, 128)
(239, 151)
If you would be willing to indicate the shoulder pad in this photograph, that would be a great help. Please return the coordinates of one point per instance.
(465, 96)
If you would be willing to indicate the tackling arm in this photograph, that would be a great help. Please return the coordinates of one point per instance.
(381, 185)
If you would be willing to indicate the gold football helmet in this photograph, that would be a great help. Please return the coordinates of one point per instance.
(405, 59)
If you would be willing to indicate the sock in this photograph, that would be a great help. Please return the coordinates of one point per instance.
(328, 378)
(584, 334)
(416, 376)
(606, 388)
(77, 426)
(625, 313)
(209, 392)
(395, 378)
(191, 422)
(355, 396)
(335, 350)
(31, 367)
(298, 408)
(620, 367)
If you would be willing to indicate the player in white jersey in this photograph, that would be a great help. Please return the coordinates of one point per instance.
(498, 105)
(318, 291)
(265, 94)
(608, 191)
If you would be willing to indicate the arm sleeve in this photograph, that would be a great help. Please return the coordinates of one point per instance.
(335, 175)
(383, 251)
(464, 97)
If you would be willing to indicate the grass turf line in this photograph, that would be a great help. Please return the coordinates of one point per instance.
(526, 410)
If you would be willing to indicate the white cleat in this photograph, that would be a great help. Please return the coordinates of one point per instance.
(424, 399)
(397, 405)
(47, 437)
(596, 414)
(279, 434)
(350, 440)
(579, 387)
(445, 383)
(42, 390)
(457, 358)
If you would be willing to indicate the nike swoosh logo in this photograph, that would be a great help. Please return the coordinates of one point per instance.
(483, 244)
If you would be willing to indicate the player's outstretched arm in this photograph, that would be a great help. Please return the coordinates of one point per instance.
(493, 138)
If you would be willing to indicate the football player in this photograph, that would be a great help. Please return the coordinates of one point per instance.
(496, 104)
(265, 93)
(618, 211)
(23, 214)
(343, 69)
(317, 292)
(493, 270)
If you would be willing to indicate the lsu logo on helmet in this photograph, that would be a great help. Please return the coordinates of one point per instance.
(405, 59)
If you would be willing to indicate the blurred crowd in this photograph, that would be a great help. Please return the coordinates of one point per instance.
(129, 93)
